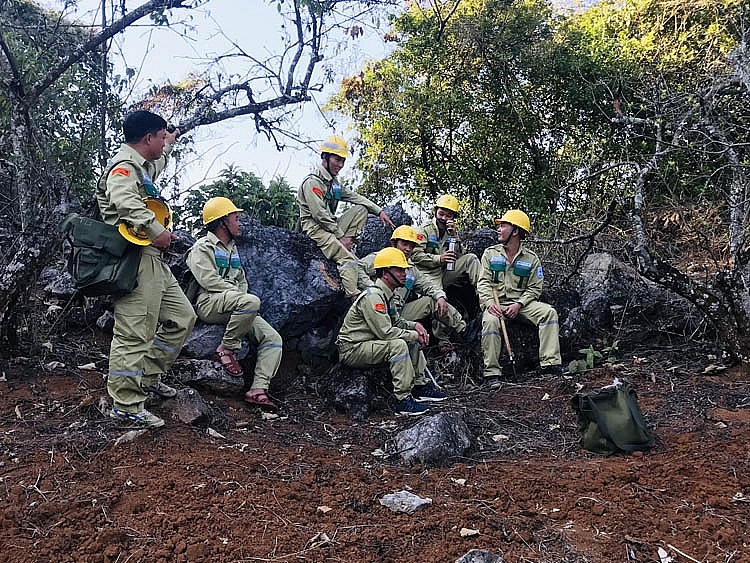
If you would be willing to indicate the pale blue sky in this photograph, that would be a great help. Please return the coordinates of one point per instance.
(163, 54)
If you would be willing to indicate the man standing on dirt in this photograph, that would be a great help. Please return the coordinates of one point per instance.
(373, 332)
(433, 255)
(318, 198)
(223, 299)
(509, 288)
(152, 322)
(419, 297)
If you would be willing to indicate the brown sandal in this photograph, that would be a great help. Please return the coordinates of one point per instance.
(228, 362)
(261, 400)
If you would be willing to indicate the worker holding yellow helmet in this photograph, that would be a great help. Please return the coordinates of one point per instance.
(153, 321)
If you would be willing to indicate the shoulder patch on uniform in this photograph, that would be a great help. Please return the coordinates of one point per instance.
(380, 307)
(317, 191)
(420, 237)
(119, 171)
(539, 272)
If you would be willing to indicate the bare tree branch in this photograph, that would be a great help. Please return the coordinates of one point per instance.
(96, 40)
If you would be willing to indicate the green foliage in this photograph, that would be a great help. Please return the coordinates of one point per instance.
(486, 105)
(275, 205)
(68, 112)
(506, 104)
(592, 356)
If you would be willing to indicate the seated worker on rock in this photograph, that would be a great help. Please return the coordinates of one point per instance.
(442, 266)
(418, 298)
(318, 198)
(509, 287)
(373, 332)
(223, 299)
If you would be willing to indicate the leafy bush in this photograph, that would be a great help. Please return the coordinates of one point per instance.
(273, 205)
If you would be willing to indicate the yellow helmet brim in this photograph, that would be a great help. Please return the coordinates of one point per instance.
(131, 235)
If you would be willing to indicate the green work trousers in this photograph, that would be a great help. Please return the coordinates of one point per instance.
(441, 326)
(239, 311)
(151, 325)
(351, 223)
(466, 264)
(407, 362)
(540, 315)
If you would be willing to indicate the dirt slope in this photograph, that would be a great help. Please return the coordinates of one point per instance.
(306, 486)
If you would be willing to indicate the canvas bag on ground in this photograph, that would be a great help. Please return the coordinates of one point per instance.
(101, 261)
(610, 420)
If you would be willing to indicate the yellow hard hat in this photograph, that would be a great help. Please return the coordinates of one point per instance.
(447, 202)
(390, 257)
(335, 145)
(516, 217)
(218, 207)
(405, 232)
(163, 213)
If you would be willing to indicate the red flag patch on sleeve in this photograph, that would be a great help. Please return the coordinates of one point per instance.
(120, 172)
(380, 307)
(317, 191)
(420, 237)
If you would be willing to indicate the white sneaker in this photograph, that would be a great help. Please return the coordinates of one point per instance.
(162, 389)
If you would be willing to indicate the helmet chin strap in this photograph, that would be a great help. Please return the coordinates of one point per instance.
(226, 228)
(394, 278)
(505, 242)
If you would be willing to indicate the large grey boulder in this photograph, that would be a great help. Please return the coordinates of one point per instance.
(208, 375)
(612, 292)
(352, 390)
(298, 287)
(205, 338)
(375, 235)
(436, 440)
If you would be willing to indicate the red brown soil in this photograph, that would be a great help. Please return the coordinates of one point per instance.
(177, 494)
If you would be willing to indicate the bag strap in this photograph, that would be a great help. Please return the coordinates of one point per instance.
(331, 203)
(112, 166)
(635, 414)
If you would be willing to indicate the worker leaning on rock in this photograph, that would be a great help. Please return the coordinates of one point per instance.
(153, 321)
(514, 274)
(318, 199)
(373, 332)
(433, 258)
(223, 298)
(419, 297)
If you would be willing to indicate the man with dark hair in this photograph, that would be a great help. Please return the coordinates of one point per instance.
(318, 198)
(509, 287)
(152, 322)
(373, 332)
(223, 299)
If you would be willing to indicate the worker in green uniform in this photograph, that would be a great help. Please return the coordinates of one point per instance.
(223, 299)
(418, 298)
(432, 256)
(509, 287)
(153, 321)
(373, 332)
(318, 199)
